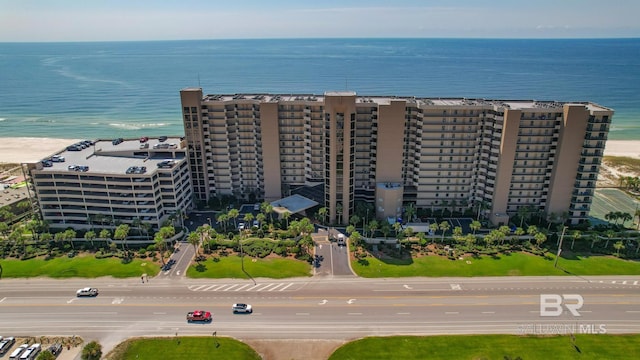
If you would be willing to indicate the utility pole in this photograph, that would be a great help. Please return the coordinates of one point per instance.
(555, 264)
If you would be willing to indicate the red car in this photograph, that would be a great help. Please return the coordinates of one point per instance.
(199, 315)
(144, 139)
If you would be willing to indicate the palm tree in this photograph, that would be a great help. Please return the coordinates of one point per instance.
(397, 227)
(434, 227)
(594, 239)
(385, 228)
(70, 234)
(470, 239)
(286, 215)
(121, 233)
(625, 217)
(410, 212)
(355, 238)
(136, 224)
(523, 213)
(444, 226)
(445, 203)
(540, 239)
(222, 219)
(261, 218)
(475, 226)
(373, 226)
(532, 230)
(248, 220)
(575, 236)
(322, 213)
(90, 235)
(233, 214)
(267, 209)
(350, 229)
(194, 239)
(354, 219)
(610, 234)
(637, 215)
(619, 245)
(105, 234)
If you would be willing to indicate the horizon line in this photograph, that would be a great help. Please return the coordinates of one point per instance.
(321, 38)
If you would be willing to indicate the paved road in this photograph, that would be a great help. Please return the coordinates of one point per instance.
(315, 308)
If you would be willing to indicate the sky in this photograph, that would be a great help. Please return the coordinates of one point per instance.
(132, 20)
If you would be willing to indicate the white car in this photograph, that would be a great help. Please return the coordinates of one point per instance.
(242, 309)
(87, 292)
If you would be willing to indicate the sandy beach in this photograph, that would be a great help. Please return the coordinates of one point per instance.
(24, 150)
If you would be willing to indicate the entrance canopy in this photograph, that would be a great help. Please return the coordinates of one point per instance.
(293, 204)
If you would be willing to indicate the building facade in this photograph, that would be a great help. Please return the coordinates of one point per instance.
(496, 155)
(109, 183)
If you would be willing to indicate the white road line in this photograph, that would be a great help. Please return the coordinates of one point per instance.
(405, 313)
(488, 312)
(214, 287)
(231, 287)
(266, 287)
(451, 313)
(159, 313)
(632, 311)
(196, 288)
(3, 299)
(302, 313)
(284, 288)
(275, 287)
(253, 287)
(242, 287)
(635, 282)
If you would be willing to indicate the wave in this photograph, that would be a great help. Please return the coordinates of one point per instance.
(133, 126)
(3, 119)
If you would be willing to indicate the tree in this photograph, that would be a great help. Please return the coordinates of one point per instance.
(233, 214)
(350, 229)
(410, 212)
(339, 213)
(165, 233)
(519, 232)
(121, 233)
(610, 234)
(625, 217)
(408, 232)
(397, 227)
(444, 227)
(90, 235)
(222, 219)
(594, 239)
(355, 238)
(261, 218)
(540, 239)
(248, 219)
(532, 230)
(470, 239)
(354, 220)
(92, 351)
(194, 239)
(70, 234)
(619, 245)
(524, 212)
(385, 228)
(322, 213)
(105, 234)
(45, 355)
(267, 209)
(475, 226)
(373, 226)
(286, 215)
(434, 227)
(576, 235)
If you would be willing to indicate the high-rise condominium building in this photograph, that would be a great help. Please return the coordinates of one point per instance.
(496, 155)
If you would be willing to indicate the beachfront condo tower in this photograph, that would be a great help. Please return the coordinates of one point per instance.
(490, 156)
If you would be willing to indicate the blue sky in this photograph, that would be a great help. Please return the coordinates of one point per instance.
(115, 20)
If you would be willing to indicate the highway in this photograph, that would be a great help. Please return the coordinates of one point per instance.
(327, 307)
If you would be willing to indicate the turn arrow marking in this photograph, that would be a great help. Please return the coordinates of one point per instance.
(350, 301)
(323, 302)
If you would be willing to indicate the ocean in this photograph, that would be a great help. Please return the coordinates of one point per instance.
(130, 89)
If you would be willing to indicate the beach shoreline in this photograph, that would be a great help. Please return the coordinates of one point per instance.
(31, 149)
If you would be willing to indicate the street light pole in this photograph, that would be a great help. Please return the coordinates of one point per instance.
(209, 220)
(555, 264)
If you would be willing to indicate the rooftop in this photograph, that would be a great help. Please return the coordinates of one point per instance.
(106, 158)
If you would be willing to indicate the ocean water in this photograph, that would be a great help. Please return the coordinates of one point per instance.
(129, 89)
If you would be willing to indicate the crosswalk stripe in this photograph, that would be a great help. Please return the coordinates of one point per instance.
(242, 287)
(284, 288)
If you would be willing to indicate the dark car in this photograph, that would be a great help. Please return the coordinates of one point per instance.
(55, 349)
(117, 141)
(73, 148)
(162, 138)
(6, 344)
(47, 163)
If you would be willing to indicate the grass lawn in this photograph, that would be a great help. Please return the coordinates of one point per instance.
(80, 266)
(231, 267)
(183, 348)
(514, 264)
(492, 347)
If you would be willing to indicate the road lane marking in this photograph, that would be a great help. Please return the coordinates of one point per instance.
(455, 287)
(284, 288)
(302, 313)
(488, 312)
(253, 287)
(266, 287)
(407, 287)
(350, 301)
(231, 287)
(451, 313)
(324, 301)
(196, 288)
(275, 287)
(3, 299)
(633, 311)
(404, 313)
(159, 313)
(242, 287)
